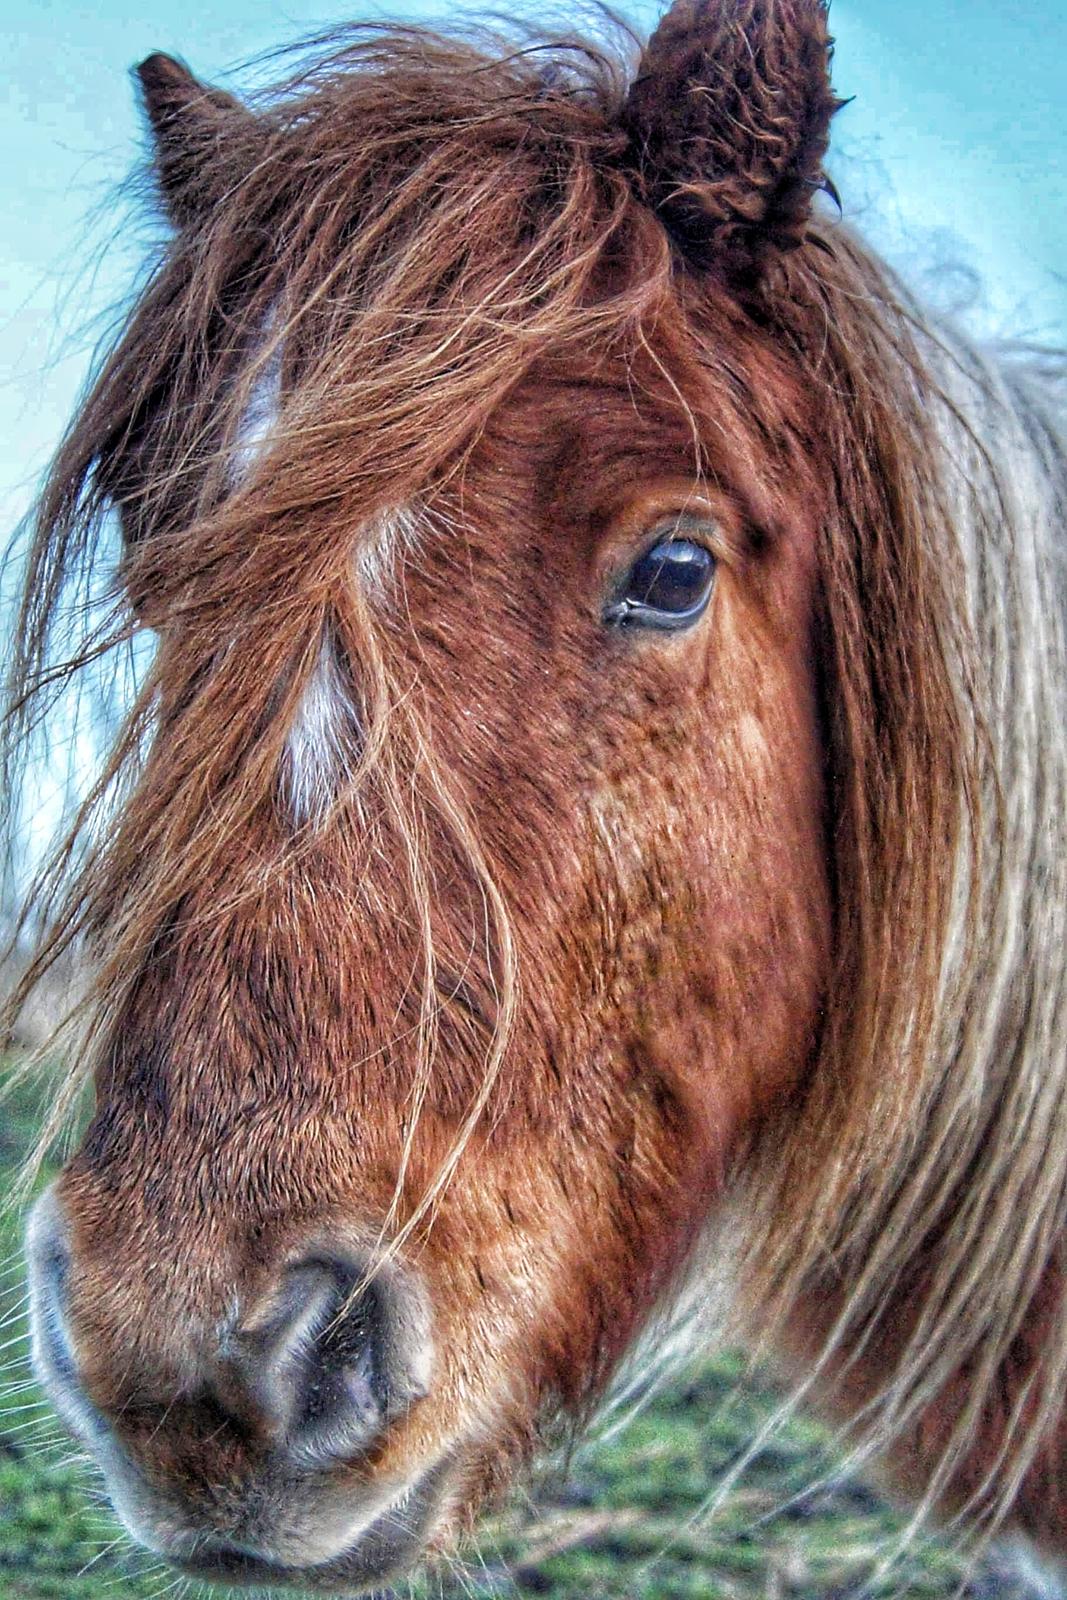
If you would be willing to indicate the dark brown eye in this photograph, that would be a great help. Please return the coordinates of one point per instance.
(667, 588)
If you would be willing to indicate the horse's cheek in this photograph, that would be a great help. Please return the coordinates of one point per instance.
(690, 969)
(709, 867)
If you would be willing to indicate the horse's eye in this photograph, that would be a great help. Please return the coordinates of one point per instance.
(668, 587)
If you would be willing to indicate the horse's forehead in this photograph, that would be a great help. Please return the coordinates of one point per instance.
(588, 402)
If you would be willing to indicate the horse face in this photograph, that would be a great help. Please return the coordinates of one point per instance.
(426, 1087)
(265, 1391)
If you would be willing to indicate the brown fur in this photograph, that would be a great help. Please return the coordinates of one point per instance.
(599, 933)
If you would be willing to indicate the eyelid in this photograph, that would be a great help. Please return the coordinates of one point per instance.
(684, 525)
(702, 528)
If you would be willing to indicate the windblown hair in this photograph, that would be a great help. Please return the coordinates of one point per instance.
(406, 282)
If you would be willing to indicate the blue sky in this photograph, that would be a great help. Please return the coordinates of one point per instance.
(952, 158)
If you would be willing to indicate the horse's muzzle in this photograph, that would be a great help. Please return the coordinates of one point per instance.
(284, 1401)
(383, 1548)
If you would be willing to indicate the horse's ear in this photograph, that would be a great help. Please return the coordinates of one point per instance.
(729, 121)
(203, 137)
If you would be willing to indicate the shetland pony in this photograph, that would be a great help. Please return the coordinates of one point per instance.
(592, 823)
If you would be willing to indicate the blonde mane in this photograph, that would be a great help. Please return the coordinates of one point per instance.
(922, 1194)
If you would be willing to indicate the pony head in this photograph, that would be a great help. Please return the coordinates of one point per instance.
(542, 796)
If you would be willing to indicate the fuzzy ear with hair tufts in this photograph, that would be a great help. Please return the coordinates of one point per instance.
(204, 137)
(729, 121)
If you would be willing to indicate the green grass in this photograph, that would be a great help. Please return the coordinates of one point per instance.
(623, 1522)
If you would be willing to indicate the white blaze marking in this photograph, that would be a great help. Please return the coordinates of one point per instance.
(324, 737)
(259, 416)
(381, 545)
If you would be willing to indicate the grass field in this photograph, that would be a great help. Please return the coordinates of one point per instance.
(621, 1523)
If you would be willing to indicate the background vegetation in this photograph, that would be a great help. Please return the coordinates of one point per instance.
(622, 1522)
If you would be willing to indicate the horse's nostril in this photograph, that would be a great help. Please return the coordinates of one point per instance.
(313, 1372)
(326, 1362)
